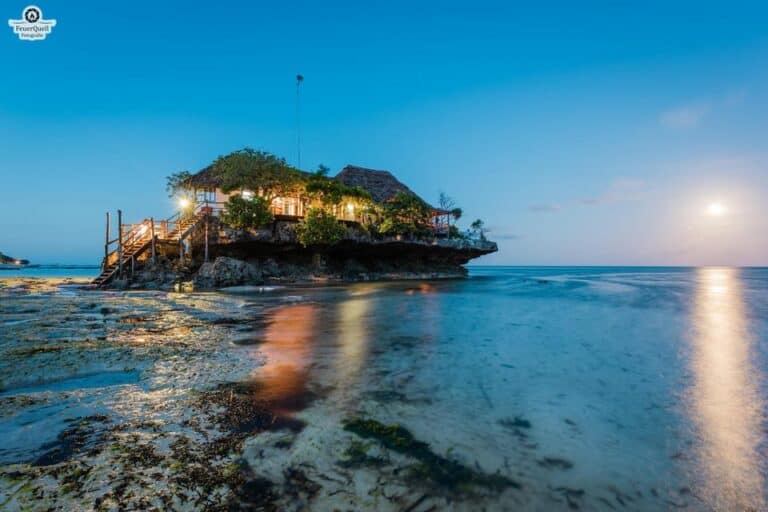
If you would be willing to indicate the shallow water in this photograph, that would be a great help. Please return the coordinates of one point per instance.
(644, 388)
(591, 388)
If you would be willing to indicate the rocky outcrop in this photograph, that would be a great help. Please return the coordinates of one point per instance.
(225, 271)
(272, 255)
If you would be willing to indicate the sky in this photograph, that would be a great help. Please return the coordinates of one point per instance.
(582, 133)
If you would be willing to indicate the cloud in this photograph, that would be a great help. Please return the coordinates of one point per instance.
(544, 208)
(686, 116)
(622, 189)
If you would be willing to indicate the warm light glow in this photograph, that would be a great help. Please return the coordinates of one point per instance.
(184, 203)
(350, 207)
(716, 209)
(287, 346)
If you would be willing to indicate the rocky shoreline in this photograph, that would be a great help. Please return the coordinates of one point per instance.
(163, 401)
(257, 262)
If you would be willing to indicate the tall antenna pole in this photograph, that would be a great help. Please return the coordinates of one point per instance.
(299, 79)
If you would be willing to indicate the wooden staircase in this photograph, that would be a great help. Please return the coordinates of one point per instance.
(185, 227)
(137, 238)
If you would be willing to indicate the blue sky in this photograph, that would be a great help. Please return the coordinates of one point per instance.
(594, 133)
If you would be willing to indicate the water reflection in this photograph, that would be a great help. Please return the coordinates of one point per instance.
(725, 402)
(353, 332)
(304, 339)
(288, 350)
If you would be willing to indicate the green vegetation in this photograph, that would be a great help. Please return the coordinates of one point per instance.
(436, 468)
(356, 455)
(267, 176)
(242, 213)
(259, 172)
(448, 204)
(319, 227)
(174, 184)
(477, 228)
(407, 215)
(332, 192)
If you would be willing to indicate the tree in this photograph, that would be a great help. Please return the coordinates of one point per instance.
(175, 183)
(319, 227)
(405, 214)
(258, 171)
(445, 202)
(244, 213)
(478, 229)
(448, 204)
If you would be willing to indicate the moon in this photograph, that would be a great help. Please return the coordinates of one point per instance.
(716, 209)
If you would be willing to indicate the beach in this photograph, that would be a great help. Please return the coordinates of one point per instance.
(514, 389)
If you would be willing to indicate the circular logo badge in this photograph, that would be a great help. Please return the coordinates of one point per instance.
(31, 14)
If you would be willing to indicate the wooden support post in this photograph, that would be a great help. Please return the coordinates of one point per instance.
(206, 240)
(133, 265)
(106, 247)
(120, 242)
(152, 233)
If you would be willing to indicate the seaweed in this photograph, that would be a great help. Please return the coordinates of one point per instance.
(439, 470)
(555, 463)
(244, 412)
(572, 496)
(31, 351)
(71, 442)
(356, 455)
(516, 422)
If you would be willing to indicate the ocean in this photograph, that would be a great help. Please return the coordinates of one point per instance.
(51, 271)
(519, 388)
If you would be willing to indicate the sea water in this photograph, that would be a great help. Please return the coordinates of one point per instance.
(591, 388)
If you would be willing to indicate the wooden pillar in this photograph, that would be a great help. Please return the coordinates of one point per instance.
(152, 234)
(120, 242)
(133, 265)
(106, 247)
(206, 240)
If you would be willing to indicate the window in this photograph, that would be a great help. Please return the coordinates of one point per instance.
(207, 195)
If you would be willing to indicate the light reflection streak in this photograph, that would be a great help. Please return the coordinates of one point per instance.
(725, 401)
(288, 350)
(353, 337)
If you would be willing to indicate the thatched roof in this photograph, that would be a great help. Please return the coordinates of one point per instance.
(210, 177)
(382, 185)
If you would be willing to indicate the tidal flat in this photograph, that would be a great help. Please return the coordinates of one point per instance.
(516, 389)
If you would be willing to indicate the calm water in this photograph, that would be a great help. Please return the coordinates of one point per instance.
(597, 388)
(44, 271)
(644, 388)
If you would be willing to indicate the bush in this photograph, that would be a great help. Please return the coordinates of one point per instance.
(478, 230)
(244, 213)
(319, 227)
(406, 214)
(258, 171)
(453, 232)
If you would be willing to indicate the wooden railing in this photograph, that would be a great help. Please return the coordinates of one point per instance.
(173, 228)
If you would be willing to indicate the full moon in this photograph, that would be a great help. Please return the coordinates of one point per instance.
(716, 209)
